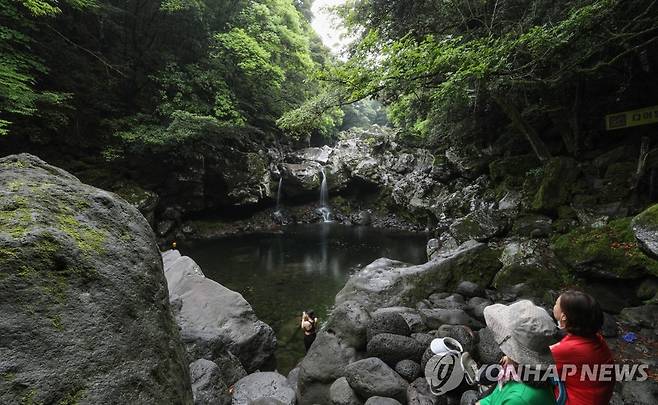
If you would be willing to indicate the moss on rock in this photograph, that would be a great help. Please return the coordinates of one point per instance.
(611, 251)
(559, 174)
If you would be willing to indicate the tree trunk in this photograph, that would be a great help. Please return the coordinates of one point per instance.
(531, 135)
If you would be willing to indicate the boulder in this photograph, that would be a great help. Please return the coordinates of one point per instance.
(387, 283)
(419, 393)
(85, 314)
(643, 316)
(324, 363)
(645, 228)
(463, 334)
(214, 319)
(408, 369)
(372, 377)
(487, 350)
(532, 226)
(476, 306)
(349, 320)
(382, 401)
(387, 322)
(393, 348)
(341, 393)
(558, 177)
(470, 289)
(207, 385)
(480, 225)
(263, 386)
(301, 178)
(293, 377)
(435, 318)
(533, 263)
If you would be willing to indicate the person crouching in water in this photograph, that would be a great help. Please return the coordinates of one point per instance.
(524, 333)
(309, 322)
(581, 317)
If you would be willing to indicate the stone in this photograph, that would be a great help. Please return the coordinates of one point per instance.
(480, 225)
(349, 320)
(419, 393)
(388, 283)
(469, 397)
(642, 316)
(341, 393)
(534, 226)
(393, 348)
(85, 314)
(207, 385)
(647, 289)
(324, 363)
(435, 318)
(263, 385)
(470, 289)
(487, 350)
(462, 334)
(293, 377)
(424, 338)
(372, 377)
(609, 328)
(301, 178)
(559, 175)
(214, 319)
(645, 228)
(476, 306)
(408, 369)
(382, 401)
(533, 263)
(640, 392)
(387, 322)
(445, 303)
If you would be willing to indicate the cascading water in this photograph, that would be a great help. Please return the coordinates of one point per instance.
(324, 199)
(278, 197)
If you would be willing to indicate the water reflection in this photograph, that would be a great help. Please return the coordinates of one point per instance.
(303, 267)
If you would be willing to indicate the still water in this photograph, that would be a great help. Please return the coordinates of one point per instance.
(300, 268)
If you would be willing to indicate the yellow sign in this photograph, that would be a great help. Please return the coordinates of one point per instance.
(633, 118)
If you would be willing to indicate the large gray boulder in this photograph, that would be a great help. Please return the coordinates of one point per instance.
(341, 393)
(394, 348)
(265, 387)
(324, 363)
(207, 385)
(214, 319)
(85, 314)
(388, 283)
(479, 225)
(349, 320)
(372, 377)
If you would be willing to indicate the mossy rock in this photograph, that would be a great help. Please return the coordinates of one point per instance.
(555, 188)
(645, 228)
(611, 251)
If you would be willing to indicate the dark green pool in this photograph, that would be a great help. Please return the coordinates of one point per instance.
(302, 267)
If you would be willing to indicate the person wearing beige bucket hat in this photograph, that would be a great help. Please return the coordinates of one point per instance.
(524, 333)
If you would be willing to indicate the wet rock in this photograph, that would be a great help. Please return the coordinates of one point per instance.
(214, 319)
(207, 385)
(263, 386)
(324, 363)
(387, 283)
(470, 289)
(435, 318)
(382, 401)
(341, 393)
(487, 350)
(408, 369)
(645, 228)
(84, 309)
(387, 322)
(372, 377)
(393, 348)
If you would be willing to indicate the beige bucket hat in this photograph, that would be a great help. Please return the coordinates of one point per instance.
(523, 331)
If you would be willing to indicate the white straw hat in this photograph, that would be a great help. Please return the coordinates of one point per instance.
(523, 331)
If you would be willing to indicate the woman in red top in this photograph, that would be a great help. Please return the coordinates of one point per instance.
(582, 348)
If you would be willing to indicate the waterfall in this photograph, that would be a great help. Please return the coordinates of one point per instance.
(278, 195)
(324, 199)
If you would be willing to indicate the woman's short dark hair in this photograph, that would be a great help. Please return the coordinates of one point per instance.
(310, 313)
(583, 312)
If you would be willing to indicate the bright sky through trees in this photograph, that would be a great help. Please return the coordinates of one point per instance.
(327, 26)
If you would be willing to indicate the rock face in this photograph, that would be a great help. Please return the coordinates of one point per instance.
(85, 313)
(214, 319)
(385, 282)
(207, 385)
